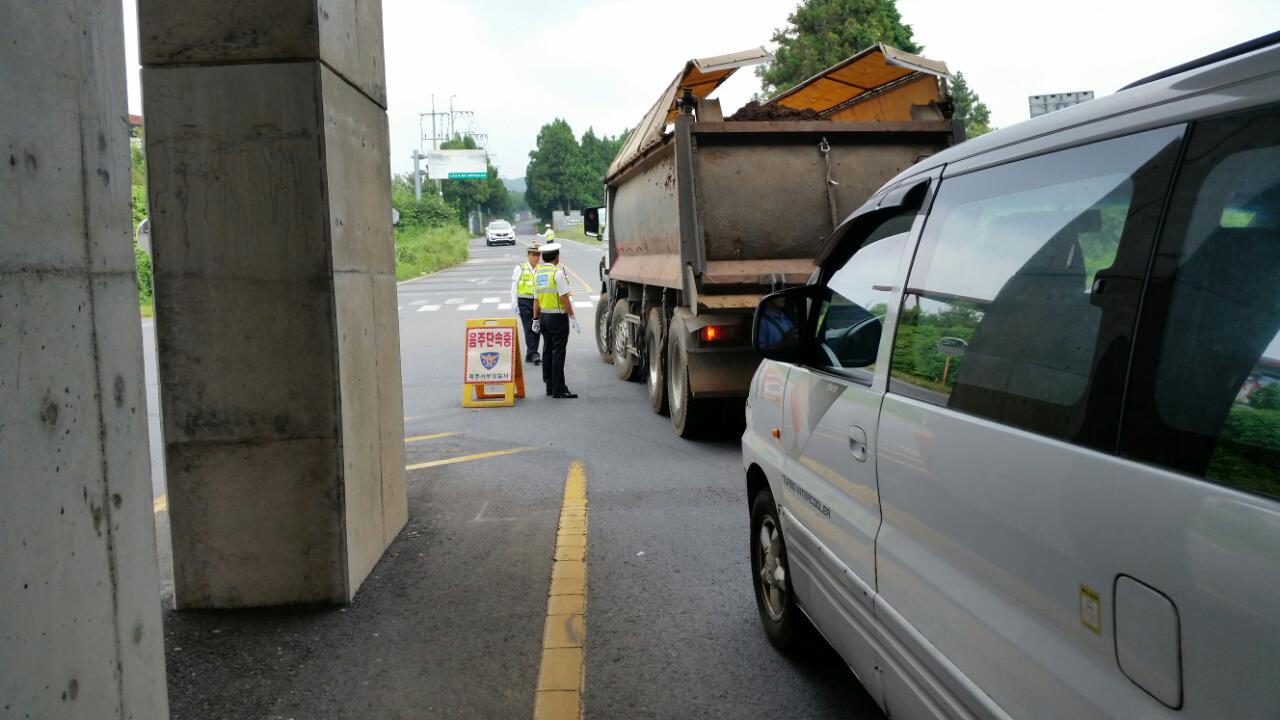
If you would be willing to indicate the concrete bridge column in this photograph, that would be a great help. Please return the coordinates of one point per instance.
(80, 628)
(277, 328)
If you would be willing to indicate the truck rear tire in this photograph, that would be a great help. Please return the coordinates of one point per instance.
(624, 363)
(654, 335)
(602, 330)
(689, 415)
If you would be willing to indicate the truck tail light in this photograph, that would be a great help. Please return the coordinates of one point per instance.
(712, 333)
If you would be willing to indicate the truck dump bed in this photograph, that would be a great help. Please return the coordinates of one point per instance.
(725, 210)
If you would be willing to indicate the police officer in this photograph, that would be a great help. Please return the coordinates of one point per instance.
(549, 236)
(553, 316)
(522, 301)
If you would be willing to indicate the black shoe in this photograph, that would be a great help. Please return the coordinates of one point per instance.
(537, 359)
(565, 395)
(549, 393)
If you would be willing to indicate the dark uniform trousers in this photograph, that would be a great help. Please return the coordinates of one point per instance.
(555, 329)
(526, 319)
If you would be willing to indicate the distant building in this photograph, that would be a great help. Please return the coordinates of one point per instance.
(135, 130)
(1045, 104)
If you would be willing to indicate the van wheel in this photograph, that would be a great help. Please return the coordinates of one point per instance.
(624, 363)
(602, 330)
(784, 624)
(657, 379)
(690, 416)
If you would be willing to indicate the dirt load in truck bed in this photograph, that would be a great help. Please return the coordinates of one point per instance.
(755, 111)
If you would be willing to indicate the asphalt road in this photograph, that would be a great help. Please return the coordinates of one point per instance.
(450, 623)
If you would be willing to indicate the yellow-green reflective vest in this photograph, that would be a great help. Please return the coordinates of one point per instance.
(524, 288)
(549, 237)
(544, 279)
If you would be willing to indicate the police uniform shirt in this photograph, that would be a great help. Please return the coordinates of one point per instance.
(515, 280)
(562, 288)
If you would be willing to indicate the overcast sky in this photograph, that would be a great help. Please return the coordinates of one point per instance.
(602, 63)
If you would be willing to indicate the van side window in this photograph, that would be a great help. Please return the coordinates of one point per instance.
(1205, 388)
(855, 300)
(1026, 283)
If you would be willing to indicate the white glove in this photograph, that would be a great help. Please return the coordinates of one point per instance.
(574, 322)
(537, 325)
(515, 308)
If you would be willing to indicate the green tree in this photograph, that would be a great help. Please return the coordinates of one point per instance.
(970, 108)
(430, 211)
(821, 33)
(599, 152)
(558, 176)
(1266, 397)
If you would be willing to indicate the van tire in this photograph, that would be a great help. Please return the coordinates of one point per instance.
(784, 623)
(624, 363)
(655, 375)
(602, 330)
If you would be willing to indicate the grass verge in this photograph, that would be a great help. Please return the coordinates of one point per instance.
(574, 232)
(421, 249)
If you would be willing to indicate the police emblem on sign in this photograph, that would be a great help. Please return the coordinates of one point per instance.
(488, 360)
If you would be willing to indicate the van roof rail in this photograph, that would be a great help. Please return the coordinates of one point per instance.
(1233, 51)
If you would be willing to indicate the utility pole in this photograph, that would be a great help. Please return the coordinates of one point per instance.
(417, 175)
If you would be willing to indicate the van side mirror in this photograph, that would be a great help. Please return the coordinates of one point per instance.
(777, 331)
(591, 222)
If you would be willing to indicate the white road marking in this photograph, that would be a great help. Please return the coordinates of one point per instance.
(595, 298)
(454, 301)
(418, 302)
(472, 306)
(504, 306)
(491, 300)
(429, 308)
(582, 304)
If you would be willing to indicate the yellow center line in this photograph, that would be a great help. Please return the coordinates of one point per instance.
(559, 693)
(420, 438)
(466, 458)
(160, 504)
(578, 277)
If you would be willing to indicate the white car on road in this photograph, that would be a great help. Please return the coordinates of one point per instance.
(499, 232)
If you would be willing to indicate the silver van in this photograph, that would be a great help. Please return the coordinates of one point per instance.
(1015, 450)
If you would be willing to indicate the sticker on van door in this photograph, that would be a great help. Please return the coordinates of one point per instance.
(815, 502)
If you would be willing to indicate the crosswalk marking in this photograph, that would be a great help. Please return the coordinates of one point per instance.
(595, 298)
(490, 300)
(429, 308)
(582, 304)
(504, 306)
(471, 306)
(454, 301)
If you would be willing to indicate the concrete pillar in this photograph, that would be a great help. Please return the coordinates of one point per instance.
(80, 628)
(277, 330)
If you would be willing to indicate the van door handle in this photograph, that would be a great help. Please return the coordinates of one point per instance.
(858, 443)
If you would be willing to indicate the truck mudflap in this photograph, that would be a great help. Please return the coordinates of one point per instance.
(721, 372)
(720, 358)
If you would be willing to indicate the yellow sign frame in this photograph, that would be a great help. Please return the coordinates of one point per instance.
(475, 395)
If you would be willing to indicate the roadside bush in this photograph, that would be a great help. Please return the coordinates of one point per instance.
(1266, 398)
(421, 249)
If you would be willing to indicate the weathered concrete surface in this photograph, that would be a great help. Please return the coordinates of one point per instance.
(80, 627)
(276, 318)
(344, 34)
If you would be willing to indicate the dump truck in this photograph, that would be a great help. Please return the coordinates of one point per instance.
(707, 214)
